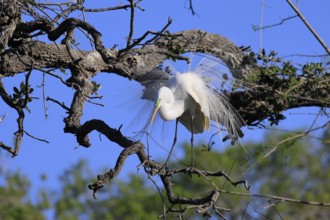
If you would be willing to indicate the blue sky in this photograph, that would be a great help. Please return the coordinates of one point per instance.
(232, 19)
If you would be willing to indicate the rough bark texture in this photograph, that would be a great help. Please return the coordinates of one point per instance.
(254, 106)
(268, 96)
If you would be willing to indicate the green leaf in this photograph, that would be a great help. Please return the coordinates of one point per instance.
(27, 109)
(16, 89)
(22, 86)
(63, 70)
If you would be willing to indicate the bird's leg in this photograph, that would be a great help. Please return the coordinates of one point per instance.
(192, 142)
(174, 142)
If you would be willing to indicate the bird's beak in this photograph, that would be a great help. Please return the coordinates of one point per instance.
(156, 107)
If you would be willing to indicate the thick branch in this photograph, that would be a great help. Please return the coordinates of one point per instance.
(71, 23)
(10, 17)
(151, 167)
(270, 95)
(100, 126)
(254, 106)
(135, 62)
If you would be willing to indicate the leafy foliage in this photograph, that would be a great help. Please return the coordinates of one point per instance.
(21, 96)
(295, 170)
(285, 83)
(14, 197)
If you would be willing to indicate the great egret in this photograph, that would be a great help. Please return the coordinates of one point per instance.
(184, 97)
(190, 98)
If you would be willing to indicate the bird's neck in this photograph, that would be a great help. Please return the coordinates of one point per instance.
(171, 111)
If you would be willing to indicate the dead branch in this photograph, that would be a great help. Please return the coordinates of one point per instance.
(310, 28)
(258, 28)
(71, 23)
(62, 104)
(263, 98)
(277, 198)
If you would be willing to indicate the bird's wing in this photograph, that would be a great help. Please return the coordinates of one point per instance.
(196, 90)
(199, 122)
(152, 81)
(215, 106)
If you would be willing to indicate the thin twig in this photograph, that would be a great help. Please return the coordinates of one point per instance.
(293, 138)
(280, 198)
(301, 16)
(139, 40)
(169, 22)
(3, 117)
(245, 209)
(39, 139)
(84, 18)
(191, 7)
(7, 148)
(261, 24)
(161, 196)
(131, 24)
(208, 173)
(44, 95)
(62, 80)
(263, 215)
(94, 103)
(255, 28)
(27, 86)
(59, 103)
(120, 7)
(305, 55)
(277, 212)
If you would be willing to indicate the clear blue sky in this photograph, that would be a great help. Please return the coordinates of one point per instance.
(232, 19)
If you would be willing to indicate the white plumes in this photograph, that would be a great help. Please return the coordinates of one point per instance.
(221, 111)
(208, 79)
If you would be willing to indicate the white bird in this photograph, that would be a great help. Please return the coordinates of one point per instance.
(189, 98)
(184, 97)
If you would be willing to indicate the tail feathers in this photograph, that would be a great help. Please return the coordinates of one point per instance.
(206, 123)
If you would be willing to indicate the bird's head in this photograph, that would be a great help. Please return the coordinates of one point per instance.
(156, 107)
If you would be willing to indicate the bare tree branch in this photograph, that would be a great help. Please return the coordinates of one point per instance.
(191, 7)
(131, 24)
(256, 28)
(277, 198)
(301, 16)
(266, 88)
